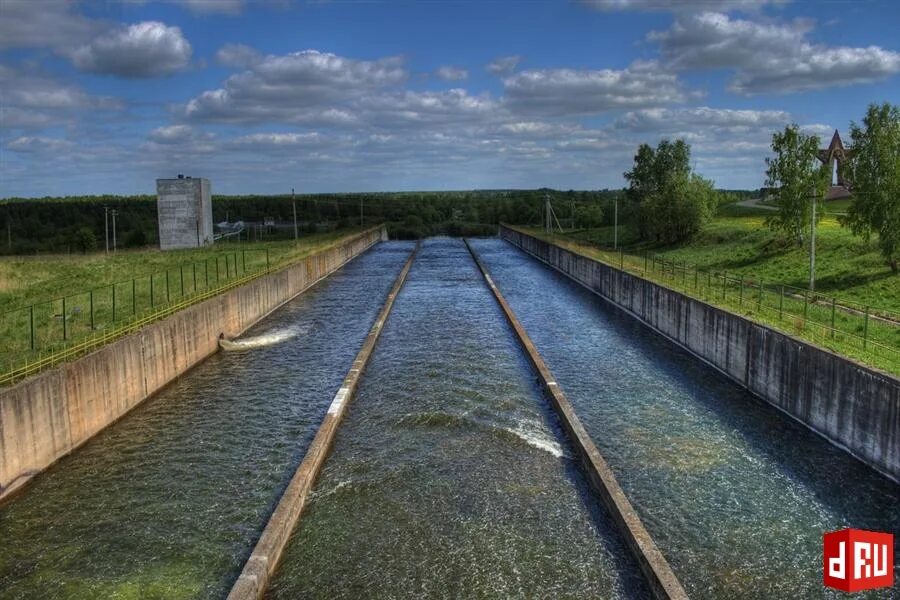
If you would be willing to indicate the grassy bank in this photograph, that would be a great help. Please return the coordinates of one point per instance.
(740, 265)
(51, 302)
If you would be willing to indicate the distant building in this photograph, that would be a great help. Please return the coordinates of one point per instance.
(184, 208)
(834, 156)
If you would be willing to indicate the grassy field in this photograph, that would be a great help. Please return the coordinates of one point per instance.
(104, 292)
(738, 242)
(739, 264)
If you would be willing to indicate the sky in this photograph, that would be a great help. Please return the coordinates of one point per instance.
(262, 96)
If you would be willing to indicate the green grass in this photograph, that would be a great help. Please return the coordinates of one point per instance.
(736, 254)
(104, 292)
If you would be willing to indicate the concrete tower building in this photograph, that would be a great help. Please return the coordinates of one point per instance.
(184, 208)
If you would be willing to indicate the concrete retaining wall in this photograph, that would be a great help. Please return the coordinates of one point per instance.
(47, 416)
(854, 407)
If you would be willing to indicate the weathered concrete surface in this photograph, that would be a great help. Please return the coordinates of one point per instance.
(47, 416)
(254, 578)
(660, 577)
(854, 407)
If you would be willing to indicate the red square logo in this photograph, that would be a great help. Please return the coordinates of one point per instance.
(856, 560)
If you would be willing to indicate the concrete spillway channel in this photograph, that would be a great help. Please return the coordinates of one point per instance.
(735, 494)
(450, 476)
(169, 501)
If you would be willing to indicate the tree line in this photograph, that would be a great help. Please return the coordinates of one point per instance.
(78, 223)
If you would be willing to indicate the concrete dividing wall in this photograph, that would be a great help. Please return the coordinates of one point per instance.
(854, 407)
(47, 416)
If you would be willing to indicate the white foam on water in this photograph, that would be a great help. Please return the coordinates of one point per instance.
(269, 338)
(537, 438)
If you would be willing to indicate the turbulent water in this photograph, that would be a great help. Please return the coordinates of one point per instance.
(275, 336)
(736, 495)
(168, 502)
(449, 477)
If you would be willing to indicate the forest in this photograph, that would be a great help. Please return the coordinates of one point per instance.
(77, 223)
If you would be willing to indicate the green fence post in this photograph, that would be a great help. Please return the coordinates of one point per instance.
(91, 301)
(133, 297)
(227, 268)
(866, 330)
(152, 300)
(31, 321)
(244, 260)
(267, 260)
(114, 302)
(167, 287)
(194, 271)
(206, 273)
(781, 304)
(65, 333)
(832, 317)
(217, 269)
(181, 274)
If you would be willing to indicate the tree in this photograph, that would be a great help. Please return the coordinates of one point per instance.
(874, 170)
(85, 240)
(672, 202)
(799, 180)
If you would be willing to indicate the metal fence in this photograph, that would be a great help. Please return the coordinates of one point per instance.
(45, 328)
(867, 333)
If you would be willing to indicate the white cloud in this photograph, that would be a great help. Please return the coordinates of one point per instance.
(685, 119)
(680, 5)
(43, 23)
(238, 55)
(38, 145)
(148, 49)
(178, 134)
(503, 65)
(228, 7)
(769, 57)
(427, 109)
(32, 101)
(559, 92)
(450, 73)
(307, 86)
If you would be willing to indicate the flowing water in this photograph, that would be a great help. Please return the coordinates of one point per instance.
(736, 495)
(168, 502)
(449, 477)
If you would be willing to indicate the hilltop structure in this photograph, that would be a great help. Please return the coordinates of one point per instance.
(184, 209)
(835, 156)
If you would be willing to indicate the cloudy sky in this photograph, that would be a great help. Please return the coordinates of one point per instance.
(104, 96)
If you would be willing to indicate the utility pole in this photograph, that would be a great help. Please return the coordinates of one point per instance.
(812, 246)
(114, 213)
(615, 222)
(106, 225)
(294, 204)
(547, 224)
